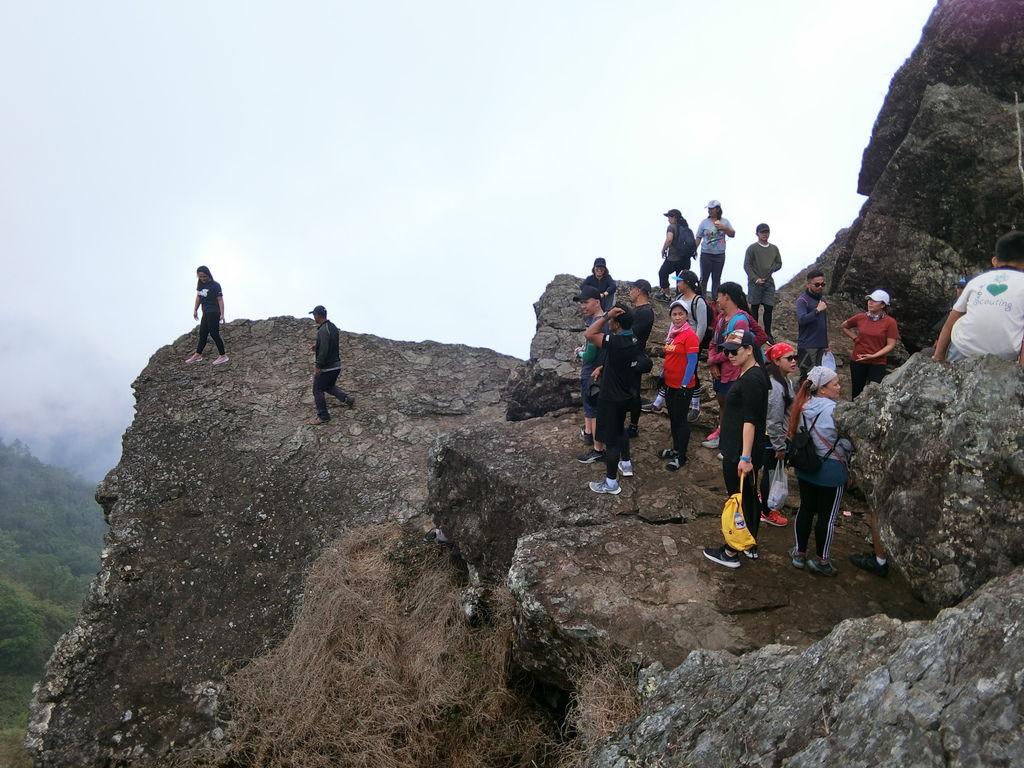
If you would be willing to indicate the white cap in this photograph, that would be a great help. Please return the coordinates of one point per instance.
(713, 204)
(879, 295)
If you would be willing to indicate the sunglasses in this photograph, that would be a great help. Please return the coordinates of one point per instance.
(789, 357)
(818, 285)
(731, 352)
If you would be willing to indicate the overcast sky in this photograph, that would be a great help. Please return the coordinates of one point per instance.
(352, 154)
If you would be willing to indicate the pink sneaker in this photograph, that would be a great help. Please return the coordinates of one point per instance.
(221, 360)
(712, 441)
(195, 357)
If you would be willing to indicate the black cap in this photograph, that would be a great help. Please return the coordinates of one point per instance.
(762, 228)
(674, 212)
(587, 292)
(318, 310)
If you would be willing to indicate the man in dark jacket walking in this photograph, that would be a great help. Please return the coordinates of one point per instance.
(327, 367)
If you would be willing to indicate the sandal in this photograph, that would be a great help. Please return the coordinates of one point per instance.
(667, 453)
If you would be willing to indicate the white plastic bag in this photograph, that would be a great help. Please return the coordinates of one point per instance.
(829, 361)
(779, 489)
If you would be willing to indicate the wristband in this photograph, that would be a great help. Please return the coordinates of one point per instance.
(744, 458)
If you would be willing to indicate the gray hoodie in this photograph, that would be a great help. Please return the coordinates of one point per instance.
(778, 415)
(825, 434)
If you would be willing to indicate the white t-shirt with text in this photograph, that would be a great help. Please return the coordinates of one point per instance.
(994, 320)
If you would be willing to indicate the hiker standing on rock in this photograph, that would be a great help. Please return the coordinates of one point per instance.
(603, 282)
(677, 250)
(812, 322)
(211, 297)
(591, 358)
(743, 435)
(327, 367)
(682, 348)
(613, 332)
(781, 364)
(874, 335)
(821, 492)
(761, 261)
(643, 324)
(711, 234)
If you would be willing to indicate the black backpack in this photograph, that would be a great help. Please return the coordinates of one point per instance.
(801, 453)
(687, 245)
(710, 316)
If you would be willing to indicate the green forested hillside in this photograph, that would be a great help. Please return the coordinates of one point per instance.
(51, 533)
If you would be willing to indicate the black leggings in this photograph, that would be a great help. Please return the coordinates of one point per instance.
(767, 324)
(210, 326)
(678, 402)
(671, 268)
(861, 374)
(819, 506)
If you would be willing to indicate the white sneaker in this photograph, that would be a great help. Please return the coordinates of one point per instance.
(602, 487)
(221, 360)
(194, 358)
(626, 468)
(711, 442)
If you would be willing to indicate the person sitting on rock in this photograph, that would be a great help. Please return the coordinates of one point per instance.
(988, 318)
(613, 332)
(821, 492)
(327, 366)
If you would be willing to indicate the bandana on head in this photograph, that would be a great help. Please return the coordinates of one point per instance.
(819, 375)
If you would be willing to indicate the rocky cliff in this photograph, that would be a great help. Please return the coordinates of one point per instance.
(941, 169)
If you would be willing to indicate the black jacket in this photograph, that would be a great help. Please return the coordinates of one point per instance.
(328, 358)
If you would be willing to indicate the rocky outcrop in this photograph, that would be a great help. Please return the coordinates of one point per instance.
(874, 692)
(941, 168)
(223, 499)
(941, 460)
(550, 379)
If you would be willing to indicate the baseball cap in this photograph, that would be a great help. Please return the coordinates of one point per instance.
(738, 339)
(763, 228)
(318, 310)
(674, 212)
(713, 204)
(879, 295)
(587, 292)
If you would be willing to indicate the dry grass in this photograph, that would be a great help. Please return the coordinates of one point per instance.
(382, 669)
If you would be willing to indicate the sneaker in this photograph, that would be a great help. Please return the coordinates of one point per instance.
(722, 557)
(587, 439)
(221, 360)
(751, 553)
(626, 468)
(712, 441)
(720, 457)
(317, 421)
(633, 430)
(349, 401)
(693, 415)
(650, 408)
(603, 487)
(825, 568)
(799, 558)
(774, 517)
(666, 453)
(195, 357)
(699, 391)
(676, 463)
(590, 457)
(866, 562)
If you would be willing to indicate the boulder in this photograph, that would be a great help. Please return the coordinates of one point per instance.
(940, 457)
(875, 691)
(941, 167)
(641, 590)
(223, 499)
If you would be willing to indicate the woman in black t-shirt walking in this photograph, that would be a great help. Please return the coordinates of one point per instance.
(211, 297)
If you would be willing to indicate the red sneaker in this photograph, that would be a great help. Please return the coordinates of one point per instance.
(774, 517)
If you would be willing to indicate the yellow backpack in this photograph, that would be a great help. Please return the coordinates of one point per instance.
(734, 524)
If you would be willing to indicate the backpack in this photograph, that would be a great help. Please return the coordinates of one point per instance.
(687, 246)
(734, 524)
(801, 453)
(710, 332)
